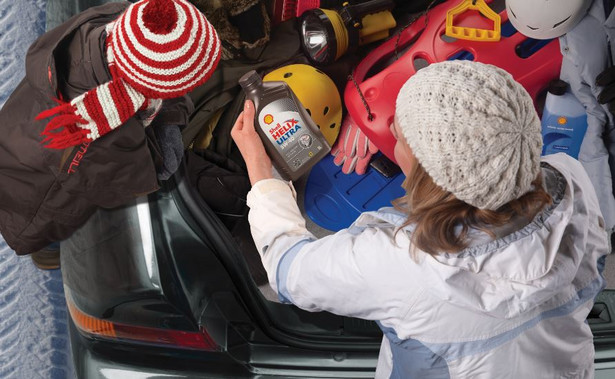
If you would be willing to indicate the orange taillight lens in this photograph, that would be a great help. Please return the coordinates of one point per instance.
(89, 324)
(117, 331)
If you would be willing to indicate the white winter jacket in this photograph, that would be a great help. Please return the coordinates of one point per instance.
(587, 50)
(510, 307)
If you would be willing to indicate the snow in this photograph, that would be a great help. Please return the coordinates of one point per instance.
(20, 23)
(34, 339)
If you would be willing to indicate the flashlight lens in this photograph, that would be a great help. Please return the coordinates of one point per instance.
(315, 39)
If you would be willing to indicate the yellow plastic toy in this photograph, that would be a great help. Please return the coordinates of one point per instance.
(473, 34)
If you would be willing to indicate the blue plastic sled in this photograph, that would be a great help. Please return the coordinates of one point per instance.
(333, 200)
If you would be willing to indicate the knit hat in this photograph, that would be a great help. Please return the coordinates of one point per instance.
(474, 130)
(156, 49)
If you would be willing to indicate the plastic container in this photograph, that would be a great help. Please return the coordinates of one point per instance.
(291, 138)
(564, 121)
(334, 200)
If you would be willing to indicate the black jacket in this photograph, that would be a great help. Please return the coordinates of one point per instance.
(46, 194)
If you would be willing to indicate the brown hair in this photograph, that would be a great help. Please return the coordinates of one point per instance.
(438, 214)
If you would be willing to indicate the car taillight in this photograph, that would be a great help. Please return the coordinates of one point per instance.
(96, 327)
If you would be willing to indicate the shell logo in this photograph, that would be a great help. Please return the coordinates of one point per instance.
(268, 119)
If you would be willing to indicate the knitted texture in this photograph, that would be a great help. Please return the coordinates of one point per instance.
(160, 63)
(474, 130)
(157, 49)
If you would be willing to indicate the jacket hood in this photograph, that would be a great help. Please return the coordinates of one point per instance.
(527, 264)
(521, 270)
(42, 60)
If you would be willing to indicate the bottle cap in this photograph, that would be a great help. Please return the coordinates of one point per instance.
(558, 87)
(250, 78)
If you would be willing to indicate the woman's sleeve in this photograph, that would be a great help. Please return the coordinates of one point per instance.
(350, 274)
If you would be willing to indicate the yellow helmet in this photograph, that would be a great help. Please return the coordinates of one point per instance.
(317, 93)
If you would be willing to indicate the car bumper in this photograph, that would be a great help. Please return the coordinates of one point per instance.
(100, 359)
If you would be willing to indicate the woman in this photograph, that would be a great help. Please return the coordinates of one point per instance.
(489, 265)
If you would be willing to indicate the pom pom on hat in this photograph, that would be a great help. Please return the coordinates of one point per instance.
(473, 129)
(160, 16)
(156, 49)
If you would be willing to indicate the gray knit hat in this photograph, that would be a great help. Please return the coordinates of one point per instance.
(474, 130)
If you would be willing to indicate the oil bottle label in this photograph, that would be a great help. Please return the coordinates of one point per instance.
(288, 133)
(563, 134)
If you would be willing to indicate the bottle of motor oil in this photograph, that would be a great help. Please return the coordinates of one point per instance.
(291, 138)
(564, 121)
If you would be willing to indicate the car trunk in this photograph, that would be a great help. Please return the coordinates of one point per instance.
(284, 323)
(319, 331)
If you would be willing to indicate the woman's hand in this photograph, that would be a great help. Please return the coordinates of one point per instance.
(251, 146)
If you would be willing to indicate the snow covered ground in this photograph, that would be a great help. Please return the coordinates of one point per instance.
(33, 317)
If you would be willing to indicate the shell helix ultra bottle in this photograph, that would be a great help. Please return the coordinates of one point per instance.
(564, 121)
(291, 138)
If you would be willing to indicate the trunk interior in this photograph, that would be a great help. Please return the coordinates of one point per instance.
(287, 323)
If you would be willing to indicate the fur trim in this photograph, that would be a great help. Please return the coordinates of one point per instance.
(267, 30)
(206, 6)
(232, 46)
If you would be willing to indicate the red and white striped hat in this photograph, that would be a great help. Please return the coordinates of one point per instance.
(157, 49)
